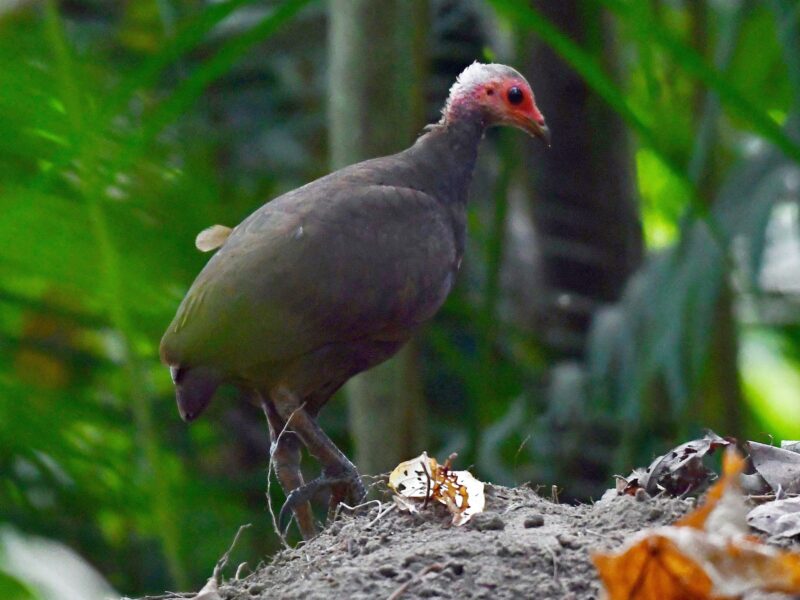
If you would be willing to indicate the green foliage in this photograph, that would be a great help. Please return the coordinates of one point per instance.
(97, 171)
(124, 133)
(13, 589)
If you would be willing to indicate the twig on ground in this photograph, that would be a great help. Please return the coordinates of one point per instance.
(353, 509)
(379, 479)
(555, 562)
(381, 514)
(605, 536)
(519, 450)
(434, 568)
(210, 591)
(217, 574)
(427, 486)
(770, 497)
(345, 506)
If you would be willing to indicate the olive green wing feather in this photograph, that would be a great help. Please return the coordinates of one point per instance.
(319, 265)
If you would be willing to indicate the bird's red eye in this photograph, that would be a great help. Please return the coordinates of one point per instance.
(515, 95)
(489, 91)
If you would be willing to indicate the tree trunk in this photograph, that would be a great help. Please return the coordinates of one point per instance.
(584, 210)
(376, 108)
(719, 401)
(589, 235)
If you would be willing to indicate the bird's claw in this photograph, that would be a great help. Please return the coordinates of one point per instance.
(348, 490)
(344, 487)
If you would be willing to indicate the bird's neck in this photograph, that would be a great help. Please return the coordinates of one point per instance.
(450, 149)
(445, 158)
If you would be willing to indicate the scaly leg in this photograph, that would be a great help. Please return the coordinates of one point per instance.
(285, 454)
(339, 475)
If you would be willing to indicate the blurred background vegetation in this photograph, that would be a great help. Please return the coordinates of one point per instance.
(635, 283)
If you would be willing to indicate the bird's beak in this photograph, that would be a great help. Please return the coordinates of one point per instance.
(537, 129)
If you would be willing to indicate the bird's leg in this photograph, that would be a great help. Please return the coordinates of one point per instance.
(339, 475)
(285, 455)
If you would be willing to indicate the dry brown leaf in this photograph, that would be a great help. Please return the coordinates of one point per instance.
(791, 445)
(652, 568)
(678, 472)
(780, 467)
(704, 556)
(683, 562)
(780, 518)
(732, 466)
(741, 564)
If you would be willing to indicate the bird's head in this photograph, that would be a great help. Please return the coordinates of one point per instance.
(500, 94)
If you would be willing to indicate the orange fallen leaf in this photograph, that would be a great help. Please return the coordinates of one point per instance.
(732, 466)
(741, 564)
(652, 568)
(707, 555)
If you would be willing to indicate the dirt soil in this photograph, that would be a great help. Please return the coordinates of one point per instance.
(523, 546)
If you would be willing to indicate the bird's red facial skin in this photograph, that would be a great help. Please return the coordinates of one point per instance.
(502, 100)
(511, 102)
(526, 109)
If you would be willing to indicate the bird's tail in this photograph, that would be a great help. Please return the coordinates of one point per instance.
(194, 388)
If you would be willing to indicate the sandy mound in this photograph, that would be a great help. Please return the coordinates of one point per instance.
(524, 546)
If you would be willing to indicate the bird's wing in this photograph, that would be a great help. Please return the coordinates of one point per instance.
(321, 264)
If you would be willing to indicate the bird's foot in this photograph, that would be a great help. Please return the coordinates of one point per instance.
(344, 484)
(349, 490)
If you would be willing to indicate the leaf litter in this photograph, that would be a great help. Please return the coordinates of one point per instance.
(678, 472)
(780, 518)
(707, 555)
(780, 467)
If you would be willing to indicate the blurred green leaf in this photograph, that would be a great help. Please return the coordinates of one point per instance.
(649, 30)
(14, 589)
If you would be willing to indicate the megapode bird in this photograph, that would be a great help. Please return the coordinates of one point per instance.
(334, 277)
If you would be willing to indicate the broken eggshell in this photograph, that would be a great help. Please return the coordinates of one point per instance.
(423, 478)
